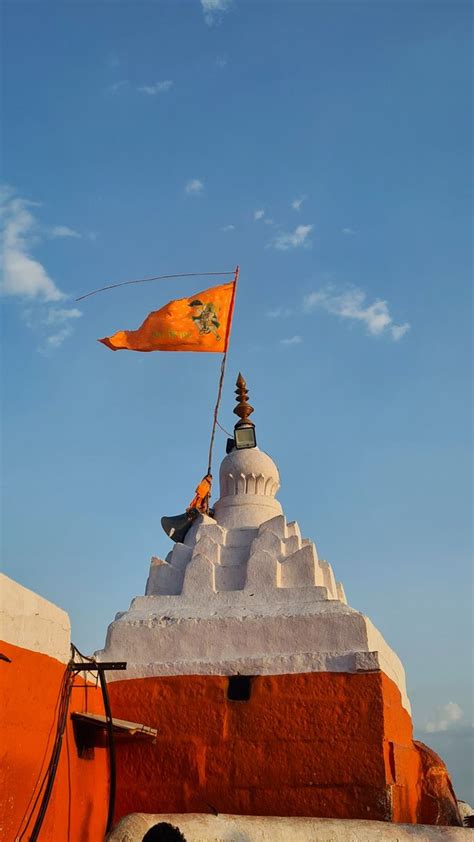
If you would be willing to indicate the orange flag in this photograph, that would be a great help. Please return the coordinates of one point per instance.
(201, 322)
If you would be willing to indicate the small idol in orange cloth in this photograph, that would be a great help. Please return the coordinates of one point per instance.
(201, 499)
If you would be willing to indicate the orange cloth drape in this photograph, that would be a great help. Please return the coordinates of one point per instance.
(199, 323)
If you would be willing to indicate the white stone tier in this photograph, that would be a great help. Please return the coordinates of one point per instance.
(254, 601)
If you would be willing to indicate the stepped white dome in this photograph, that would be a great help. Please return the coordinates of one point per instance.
(249, 480)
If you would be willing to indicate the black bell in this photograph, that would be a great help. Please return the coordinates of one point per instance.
(176, 527)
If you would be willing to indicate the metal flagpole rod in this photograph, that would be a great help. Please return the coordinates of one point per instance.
(223, 365)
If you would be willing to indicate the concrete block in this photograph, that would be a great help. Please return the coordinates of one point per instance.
(275, 524)
(299, 569)
(164, 578)
(293, 528)
(328, 579)
(341, 594)
(229, 578)
(180, 556)
(213, 531)
(270, 542)
(198, 578)
(207, 547)
(261, 572)
(291, 544)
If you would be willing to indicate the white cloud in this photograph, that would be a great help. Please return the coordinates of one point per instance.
(258, 214)
(194, 187)
(156, 88)
(351, 304)
(445, 717)
(398, 331)
(279, 312)
(115, 87)
(228, 228)
(296, 203)
(64, 231)
(23, 275)
(55, 317)
(292, 239)
(292, 340)
(57, 339)
(269, 221)
(26, 278)
(221, 61)
(214, 9)
(349, 231)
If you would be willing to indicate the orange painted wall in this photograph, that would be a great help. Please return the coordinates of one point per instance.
(316, 744)
(29, 688)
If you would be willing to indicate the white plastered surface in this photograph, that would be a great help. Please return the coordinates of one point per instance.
(245, 593)
(208, 828)
(29, 621)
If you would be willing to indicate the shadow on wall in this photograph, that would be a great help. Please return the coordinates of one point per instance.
(86, 834)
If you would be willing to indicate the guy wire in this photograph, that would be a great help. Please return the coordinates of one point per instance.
(147, 280)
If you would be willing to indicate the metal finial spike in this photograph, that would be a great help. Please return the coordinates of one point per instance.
(243, 408)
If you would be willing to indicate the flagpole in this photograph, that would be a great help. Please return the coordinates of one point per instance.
(223, 365)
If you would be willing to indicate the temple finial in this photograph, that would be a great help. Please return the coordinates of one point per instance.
(243, 408)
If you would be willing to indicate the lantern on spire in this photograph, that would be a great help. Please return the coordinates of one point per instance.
(244, 430)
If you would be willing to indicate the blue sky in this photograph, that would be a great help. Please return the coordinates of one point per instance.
(323, 146)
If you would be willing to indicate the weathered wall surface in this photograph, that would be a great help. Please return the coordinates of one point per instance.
(30, 685)
(205, 828)
(316, 744)
(29, 621)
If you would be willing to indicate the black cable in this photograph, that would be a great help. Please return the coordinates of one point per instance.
(47, 783)
(31, 807)
(147, 280)
(54, 761)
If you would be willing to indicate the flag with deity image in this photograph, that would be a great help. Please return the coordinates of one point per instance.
(201, 322)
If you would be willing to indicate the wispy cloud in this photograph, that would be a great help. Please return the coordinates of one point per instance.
(194, 187)
(63, 320)
(398, 331)
(351, 304)
(59, 316)
(116, 87)
(156, 87)
(221, 61)
(292, 340)
(25, 277)
(228, 228)
(292, 239)
(214, 9)
(152, 89)
(112, 61)
(279, 312)
(349, 231)
(258, 214)
(296, 203)
(445, 717)
(57, 339)
(64, 231)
